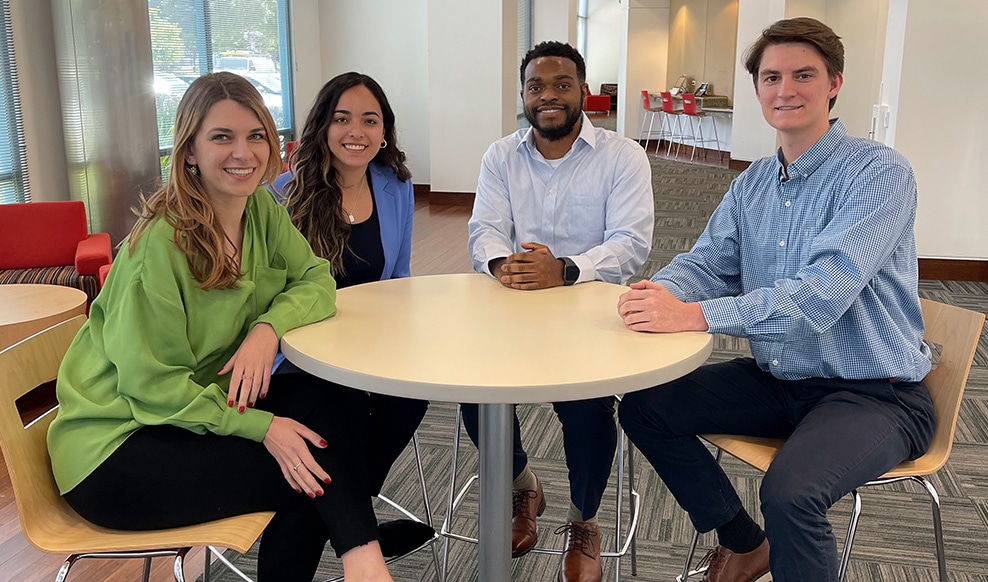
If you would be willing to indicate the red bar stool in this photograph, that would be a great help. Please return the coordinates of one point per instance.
(649, 117)
(669, 112)
(691, 113)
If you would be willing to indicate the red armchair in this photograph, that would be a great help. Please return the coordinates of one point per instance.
(597, 103)
(49, 242)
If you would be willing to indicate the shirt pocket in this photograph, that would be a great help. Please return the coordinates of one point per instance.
(584, 220)
(270, 280)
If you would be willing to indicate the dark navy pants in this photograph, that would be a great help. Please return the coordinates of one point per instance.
(589, 440)
(840, 434)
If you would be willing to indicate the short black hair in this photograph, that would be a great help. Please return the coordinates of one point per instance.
(552, 48)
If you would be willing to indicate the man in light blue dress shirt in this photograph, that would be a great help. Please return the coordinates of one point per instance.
(559, 204)
(811, 257)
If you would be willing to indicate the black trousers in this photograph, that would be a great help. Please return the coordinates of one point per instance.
(589, 440)
(165, 476)
(840, 434)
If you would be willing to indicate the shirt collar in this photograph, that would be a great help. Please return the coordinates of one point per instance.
(812, 158)
(587, 134)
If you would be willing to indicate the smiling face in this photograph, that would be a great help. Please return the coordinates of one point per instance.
(553, 97)
(356, 129)
(231, 150)
(794, 90)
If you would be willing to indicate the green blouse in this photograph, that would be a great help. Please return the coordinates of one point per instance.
(154, 343)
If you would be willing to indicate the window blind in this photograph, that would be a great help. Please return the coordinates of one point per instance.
(13, 161)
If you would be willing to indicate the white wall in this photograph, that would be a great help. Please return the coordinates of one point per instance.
(606, 22)
(554, 20)
(328, 35)
(942, 64)
(41, 107)
(645, 65)
(473, 84)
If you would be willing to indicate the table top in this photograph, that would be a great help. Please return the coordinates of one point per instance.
(466, 338)
(20, 303)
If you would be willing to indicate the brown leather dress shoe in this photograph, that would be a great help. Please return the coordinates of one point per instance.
(723, 565)
(581, 553)
(527, 504)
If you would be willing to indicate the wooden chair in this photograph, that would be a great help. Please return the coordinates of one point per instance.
(46, 519)
(957, 331)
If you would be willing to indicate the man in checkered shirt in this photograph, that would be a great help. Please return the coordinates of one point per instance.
(811, 257)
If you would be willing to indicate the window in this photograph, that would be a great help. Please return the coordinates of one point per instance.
(13, 177)
(246, 37)
(581, 27)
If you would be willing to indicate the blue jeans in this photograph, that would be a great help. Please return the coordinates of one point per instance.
(840, 434)
(589, 440)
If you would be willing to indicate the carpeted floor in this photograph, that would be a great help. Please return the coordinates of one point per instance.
(895, 537)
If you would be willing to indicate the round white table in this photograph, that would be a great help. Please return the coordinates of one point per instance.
(465, 338)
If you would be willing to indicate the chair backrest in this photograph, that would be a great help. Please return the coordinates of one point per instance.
(689, 104)
(646, 100)
(957, 330)
(23, 367)
(41, 234)
(667, 104)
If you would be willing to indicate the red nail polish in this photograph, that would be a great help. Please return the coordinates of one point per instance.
(323, 444)
(319, 493)
(250, 405)
(327, 480)
(229, 403)
(263, 394)
(312, 495)
(241, 409)
(297, 490)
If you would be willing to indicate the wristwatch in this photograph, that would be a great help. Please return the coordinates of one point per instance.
(571, 272)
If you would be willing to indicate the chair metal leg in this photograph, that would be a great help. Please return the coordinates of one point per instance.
(631, 505)
(937, 525)
(689, 557)
(229, 565)
(713, 121)
(619, 494)
(63, 572)
(178, 566)
(207, 562)
(642, 130)
(852, 528)
(447, 520)
(440, 575)
(147, 570)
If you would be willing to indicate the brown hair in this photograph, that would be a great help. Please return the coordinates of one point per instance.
(313, 197)
(182, 200)
(799, 30)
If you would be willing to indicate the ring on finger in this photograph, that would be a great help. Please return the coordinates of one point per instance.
(297, 465)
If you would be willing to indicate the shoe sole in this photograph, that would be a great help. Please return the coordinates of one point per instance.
(538, 513)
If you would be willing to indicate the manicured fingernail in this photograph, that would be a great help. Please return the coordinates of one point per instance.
(229, 403)
(297, 490)
(319, 493)
(263, 394)
(250, 405)
(327, 480)
(323, 444)
(312, 495)
(241, 409)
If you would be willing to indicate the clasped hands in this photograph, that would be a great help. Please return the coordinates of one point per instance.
(651, 307)
(534, 269)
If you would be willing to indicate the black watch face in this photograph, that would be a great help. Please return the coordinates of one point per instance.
(571, 273)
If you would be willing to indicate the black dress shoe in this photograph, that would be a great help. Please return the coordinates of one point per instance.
(400, 536)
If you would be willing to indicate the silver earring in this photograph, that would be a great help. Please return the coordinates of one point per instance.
(194, 170)
(384, 144)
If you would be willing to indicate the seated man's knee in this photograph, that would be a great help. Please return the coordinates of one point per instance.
(787, 498)
(595, 411)
(641, 417)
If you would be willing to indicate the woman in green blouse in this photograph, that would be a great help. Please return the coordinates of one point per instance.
(168, 413)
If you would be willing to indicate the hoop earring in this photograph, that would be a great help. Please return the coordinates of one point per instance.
(194, 170)
(384, 144)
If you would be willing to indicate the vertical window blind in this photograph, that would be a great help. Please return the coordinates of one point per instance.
(13, 162)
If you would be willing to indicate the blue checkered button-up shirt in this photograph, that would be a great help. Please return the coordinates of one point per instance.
(815, 264)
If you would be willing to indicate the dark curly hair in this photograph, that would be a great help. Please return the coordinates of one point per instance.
(552, 48)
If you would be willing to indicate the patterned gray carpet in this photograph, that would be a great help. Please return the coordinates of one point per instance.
(895, 536)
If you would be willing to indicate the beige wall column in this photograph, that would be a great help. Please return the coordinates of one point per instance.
(554, 20)
(644, 55)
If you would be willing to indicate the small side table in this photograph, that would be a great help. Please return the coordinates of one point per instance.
(27, 309)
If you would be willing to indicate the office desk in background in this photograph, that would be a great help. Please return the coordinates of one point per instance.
(465, 338)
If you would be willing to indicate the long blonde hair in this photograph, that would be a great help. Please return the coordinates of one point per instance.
(182, 200)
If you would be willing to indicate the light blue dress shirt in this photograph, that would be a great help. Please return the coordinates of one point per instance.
(595, 206)
(815, 264)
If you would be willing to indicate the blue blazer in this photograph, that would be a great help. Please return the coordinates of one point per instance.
(395, 201)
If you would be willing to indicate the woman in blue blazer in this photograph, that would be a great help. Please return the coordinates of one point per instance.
(350, 195)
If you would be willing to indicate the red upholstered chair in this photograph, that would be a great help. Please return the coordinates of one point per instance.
(597, 103)
(49, 243)
(289, 149)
